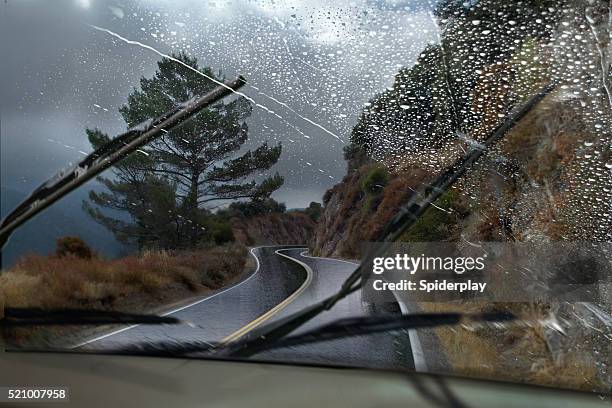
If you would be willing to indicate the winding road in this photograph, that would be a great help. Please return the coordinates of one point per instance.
(285, 280)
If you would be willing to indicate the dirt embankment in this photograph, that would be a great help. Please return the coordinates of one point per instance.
(288, 228)
(533, 187)
(352, 216)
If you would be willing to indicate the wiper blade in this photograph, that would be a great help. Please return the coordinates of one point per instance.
(338, 329)
(35, 316)
(406, 217)
(106, 156)
(358, 326)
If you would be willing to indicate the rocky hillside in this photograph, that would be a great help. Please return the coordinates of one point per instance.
(532, 186)
(288, 228)
(547, 180)
(353, 215)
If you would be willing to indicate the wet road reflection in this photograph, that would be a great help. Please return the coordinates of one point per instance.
(276, 278)
(383, 350)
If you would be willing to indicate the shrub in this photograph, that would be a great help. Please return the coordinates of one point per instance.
(222, 233)
(439, 222)
(72, 246)
(355, 157)
(256, 207)
(314, 210)
(375, 181)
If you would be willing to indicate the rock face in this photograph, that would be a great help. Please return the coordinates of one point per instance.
(341, 208)
(291, 228)
(546, 181)
(352, 216)
(532, 186)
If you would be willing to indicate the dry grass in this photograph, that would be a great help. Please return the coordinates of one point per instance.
(134, 283)
(54, 282)
(518, 355)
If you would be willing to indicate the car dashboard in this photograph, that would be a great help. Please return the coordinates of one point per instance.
(98, 380)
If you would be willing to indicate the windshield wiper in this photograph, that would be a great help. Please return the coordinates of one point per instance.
(406, 217)
(338, 329)
(364, 325)
(35, 316)
(106, 156)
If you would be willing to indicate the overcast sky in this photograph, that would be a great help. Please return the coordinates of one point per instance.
(314, 63)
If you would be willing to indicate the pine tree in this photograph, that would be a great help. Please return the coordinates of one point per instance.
(167, 187)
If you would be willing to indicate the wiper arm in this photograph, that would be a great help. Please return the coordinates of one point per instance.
(406, 217)
(34, 316)
(338, 329)
(108, 155)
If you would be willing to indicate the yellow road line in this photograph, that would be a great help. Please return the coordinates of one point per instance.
(266, 316)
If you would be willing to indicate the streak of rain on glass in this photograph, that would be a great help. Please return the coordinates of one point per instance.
(312, 65)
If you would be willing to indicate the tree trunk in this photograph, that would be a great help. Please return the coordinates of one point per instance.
(192, 209)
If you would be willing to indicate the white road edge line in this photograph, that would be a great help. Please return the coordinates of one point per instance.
(418, 356)
(182, 307)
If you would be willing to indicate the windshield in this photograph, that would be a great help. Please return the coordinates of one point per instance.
(230, 163)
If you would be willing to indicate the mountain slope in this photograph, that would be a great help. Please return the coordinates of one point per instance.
(288, 228)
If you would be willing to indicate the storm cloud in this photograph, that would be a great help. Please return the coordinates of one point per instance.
(313, 63)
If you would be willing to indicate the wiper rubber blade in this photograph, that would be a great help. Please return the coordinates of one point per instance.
(13, 317)
(338, 329)
(365, 325)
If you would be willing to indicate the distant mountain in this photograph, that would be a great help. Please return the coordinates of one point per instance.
(65, 217)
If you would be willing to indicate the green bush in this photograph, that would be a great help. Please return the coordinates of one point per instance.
(375, 181)
(72, 246)
(222, 233)
(314, 210)
(436, 224)
(256, 207)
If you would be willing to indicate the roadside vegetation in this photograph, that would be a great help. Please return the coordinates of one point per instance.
(546, 181)
(169, 204)
(69, 279)
(74, 278)
(519, 354)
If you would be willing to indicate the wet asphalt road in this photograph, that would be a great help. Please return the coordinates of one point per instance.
(276, 278)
